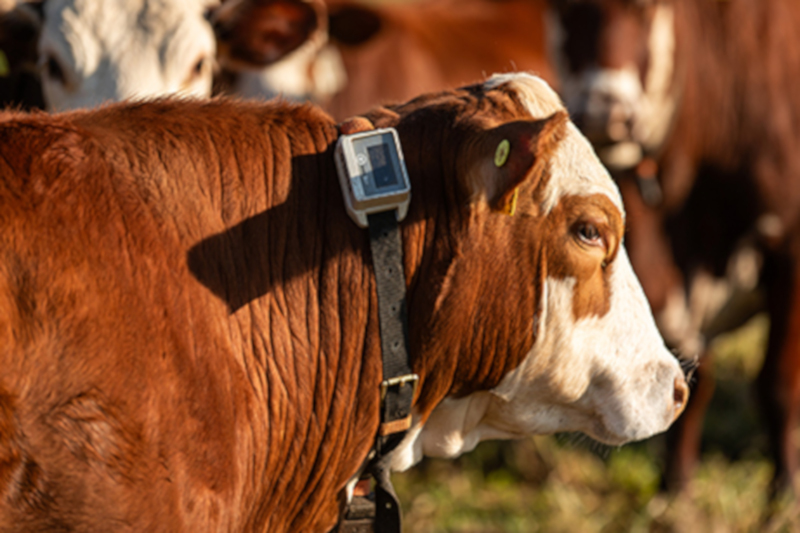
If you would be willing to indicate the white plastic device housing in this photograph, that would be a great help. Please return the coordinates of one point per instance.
(358, 201)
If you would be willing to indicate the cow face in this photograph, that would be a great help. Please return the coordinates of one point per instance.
(91, 52)
(544, 256)
(616, 62)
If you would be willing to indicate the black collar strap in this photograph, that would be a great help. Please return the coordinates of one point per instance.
(399, 382)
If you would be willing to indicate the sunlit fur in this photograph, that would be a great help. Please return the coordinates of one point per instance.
(189, 329)
(609, 375)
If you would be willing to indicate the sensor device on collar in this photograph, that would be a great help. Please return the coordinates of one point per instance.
(372, 174)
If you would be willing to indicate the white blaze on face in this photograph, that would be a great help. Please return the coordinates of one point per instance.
(93, 51)
(597, 366)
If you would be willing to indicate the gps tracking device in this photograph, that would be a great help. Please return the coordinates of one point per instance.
(372, 174)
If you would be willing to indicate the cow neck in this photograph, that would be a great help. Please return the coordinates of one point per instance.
(399, 383)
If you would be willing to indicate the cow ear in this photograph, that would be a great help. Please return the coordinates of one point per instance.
(353, 25)
(256, 33)
(382, 117)
(513, 153)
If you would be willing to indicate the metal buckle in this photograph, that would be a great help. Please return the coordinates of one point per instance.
(401, 381)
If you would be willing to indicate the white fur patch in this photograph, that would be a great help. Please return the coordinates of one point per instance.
(657, 108)
(125, 49)
(610, 377)
(576, 170)
(540, 99)
(314, 71)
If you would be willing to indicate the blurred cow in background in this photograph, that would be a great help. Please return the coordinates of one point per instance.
(93, 51)
(694, 104)
(397, 50)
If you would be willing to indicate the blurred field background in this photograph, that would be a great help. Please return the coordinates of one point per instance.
(569, 483)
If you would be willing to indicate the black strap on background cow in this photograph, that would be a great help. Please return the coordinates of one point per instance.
(399, 383)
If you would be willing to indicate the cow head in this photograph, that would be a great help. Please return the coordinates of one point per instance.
(529, 319)
(312, 70)
(616, 60)
(94, 51)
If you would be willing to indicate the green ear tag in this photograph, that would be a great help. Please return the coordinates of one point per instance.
(501, 154)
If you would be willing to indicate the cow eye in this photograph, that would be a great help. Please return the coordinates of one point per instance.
(588, 233)
(198, 69)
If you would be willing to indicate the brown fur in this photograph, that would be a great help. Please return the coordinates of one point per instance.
(432, 46)
(188, 316)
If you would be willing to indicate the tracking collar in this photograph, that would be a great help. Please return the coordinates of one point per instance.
(376, 191)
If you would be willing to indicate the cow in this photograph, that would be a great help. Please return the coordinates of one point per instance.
(93, 51)
(190, 330)
(693, 104)
(394, 51)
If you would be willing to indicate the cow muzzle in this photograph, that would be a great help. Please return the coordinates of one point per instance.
(603, 103)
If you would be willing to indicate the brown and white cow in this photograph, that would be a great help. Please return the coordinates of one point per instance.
(93, 51)
(701, 95)
(188, 317)
(391, 52)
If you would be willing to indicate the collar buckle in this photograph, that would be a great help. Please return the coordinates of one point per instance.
(400, 381)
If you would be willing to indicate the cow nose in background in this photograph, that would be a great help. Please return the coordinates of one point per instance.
(618, 123)
(604, 119)
(680, 396)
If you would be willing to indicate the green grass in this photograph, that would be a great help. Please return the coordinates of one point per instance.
(571, 484)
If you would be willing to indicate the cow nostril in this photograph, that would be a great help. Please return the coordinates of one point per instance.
(680, 395)
(618, 125)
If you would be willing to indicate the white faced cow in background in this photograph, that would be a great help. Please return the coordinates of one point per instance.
(95, 51)
(377, 53)
(189, 330)
(695, 104)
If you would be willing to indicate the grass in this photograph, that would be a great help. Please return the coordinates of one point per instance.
(568, 483)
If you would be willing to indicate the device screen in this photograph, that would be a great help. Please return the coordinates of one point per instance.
(380, 159)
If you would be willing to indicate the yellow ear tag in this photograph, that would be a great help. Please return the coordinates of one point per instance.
(501, 154)
(511, 207)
